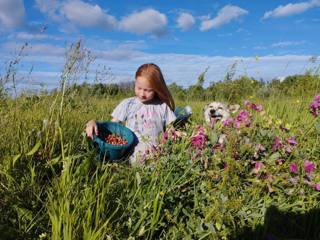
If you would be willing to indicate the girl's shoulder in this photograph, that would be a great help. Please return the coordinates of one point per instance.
(159, 104)
(162, 106)
(129, 100)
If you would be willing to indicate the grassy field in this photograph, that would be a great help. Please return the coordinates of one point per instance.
(263, 183)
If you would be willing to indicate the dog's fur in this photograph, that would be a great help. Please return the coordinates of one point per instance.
(215, 112)
(218, 111)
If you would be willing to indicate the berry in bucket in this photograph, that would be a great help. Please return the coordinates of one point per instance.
(114, 140)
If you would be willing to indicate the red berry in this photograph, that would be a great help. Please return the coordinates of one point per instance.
(115, 140)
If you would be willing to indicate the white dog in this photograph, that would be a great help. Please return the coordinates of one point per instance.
(215, 112)
(218, 111)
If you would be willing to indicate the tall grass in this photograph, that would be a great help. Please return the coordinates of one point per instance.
(52, 185)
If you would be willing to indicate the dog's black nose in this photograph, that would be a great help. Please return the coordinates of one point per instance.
(212, 111)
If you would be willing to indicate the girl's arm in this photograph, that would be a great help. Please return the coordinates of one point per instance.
(91, 127)
(115, 120)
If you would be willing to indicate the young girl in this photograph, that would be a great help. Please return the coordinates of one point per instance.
(147, 114)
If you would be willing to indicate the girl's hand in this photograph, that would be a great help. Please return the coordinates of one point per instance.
(91, 127)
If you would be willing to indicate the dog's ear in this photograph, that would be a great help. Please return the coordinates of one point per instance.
(234, 108)
(205, 107)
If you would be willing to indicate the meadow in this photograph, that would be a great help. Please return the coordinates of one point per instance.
(262, 183)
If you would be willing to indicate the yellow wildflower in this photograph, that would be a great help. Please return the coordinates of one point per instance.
(288, 126)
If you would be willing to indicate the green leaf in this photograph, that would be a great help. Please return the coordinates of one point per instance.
(53, 161)
(23, 213)
(34, 149)
(317, 126)
(138, 179)
(15, 159)
(218, 226)
(275, 156)
(213, 137)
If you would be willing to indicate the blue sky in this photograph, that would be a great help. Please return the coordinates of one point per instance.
(182, 37)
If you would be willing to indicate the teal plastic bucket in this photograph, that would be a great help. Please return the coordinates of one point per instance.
(109, 151)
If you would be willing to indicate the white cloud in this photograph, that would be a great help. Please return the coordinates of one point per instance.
(185, 21)
(316, 3)
(119, 54)
(183, 69)
(123, 51)
(87, 15)
(72, 13)
(287, 43)
(49, 7)
(33, 36)
(291, 9)
(259, 48)
(35, 49)
(46, 49)
(225, 15)
(282, 44)
(12, 14)
(123, 58)
(76, 12)
(146, 21)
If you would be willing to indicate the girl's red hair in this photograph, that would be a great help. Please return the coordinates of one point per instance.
(153, 74)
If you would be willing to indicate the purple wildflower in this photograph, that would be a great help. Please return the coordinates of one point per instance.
(308, 166)
(174, 135)
(293, 168)
(199, 140)
(276, 144)
(247, 122)
(154, 148)
(200, 130)
(198, 153)
(246, 103)
(242, 115)
(238, 125)
(288, 149)
(217, 146)
(256, 107)
(258, 165)
(317, 187)
(164, 137)
(315, 106)
(292, 141)
(228, 122)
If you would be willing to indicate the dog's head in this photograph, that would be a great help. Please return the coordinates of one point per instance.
(218, 111)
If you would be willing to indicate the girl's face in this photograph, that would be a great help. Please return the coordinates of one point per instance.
(143, 90)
